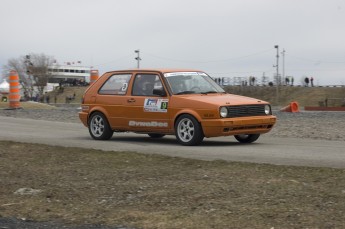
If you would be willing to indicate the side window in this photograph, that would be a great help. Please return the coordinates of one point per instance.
(144, 84)
(115, 85)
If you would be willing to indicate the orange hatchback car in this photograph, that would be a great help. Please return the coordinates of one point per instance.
(157, 102)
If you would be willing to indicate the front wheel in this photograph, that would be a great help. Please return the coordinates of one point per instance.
(99, 127)
(247, 138)
(188, 130)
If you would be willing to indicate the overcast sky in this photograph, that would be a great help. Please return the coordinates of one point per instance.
(225, 38)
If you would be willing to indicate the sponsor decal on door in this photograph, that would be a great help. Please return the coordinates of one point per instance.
(156, 105)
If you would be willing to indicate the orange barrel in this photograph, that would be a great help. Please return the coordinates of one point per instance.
(93, 76)
(14, 95)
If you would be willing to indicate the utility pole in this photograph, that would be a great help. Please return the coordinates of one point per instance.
(277, 66)
(138, 57)
(283, 74)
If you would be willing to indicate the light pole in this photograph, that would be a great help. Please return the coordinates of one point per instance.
(283, 74)
(138, 57)
(277, 66)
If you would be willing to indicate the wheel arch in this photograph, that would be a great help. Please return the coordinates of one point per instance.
(187, 112)
(97, 109)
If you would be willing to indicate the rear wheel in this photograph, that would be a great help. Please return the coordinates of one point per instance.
(156, 135)
(247, 138)
(99, 127)
(188, 130)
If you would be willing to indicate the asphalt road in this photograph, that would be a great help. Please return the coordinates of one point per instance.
(279, 151)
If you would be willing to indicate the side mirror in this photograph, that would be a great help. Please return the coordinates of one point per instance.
(159, 91)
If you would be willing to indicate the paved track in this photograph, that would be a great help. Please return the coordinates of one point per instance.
(280, 151)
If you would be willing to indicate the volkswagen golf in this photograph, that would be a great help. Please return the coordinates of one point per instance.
(186, 103)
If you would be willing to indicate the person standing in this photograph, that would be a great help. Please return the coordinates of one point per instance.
(311, 81)
(306, 81)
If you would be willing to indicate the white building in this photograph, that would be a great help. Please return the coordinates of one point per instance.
(68, 73)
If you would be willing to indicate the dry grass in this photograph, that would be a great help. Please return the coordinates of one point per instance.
(305, 96)
(81, 186)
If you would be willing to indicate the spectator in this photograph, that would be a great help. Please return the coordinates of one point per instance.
(306, 81)
(253, 81)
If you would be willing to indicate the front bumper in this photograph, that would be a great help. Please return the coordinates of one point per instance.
(241, 125)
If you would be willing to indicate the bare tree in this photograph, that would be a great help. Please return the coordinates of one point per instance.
(32, 70)
(18, 65)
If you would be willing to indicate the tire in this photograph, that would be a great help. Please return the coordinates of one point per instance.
(188, 130)
(156, 135)
(247, 138)
(99, 127)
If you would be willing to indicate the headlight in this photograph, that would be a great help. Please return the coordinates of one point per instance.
(223, 112)
(267, 109)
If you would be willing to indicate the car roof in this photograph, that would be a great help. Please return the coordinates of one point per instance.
(162, 70)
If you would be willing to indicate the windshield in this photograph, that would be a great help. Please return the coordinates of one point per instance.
(192, 83)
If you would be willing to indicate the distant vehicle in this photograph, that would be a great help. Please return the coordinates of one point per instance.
(184, 103)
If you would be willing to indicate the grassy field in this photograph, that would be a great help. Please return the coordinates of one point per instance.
(305, 96)
(80, 186)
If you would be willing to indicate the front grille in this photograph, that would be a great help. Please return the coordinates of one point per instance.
(246, 110)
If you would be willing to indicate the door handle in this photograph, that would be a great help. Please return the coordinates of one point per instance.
(131, 100)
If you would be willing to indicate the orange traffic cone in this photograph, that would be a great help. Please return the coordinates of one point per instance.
(292, 107)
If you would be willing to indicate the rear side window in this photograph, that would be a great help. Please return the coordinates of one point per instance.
(115, 85)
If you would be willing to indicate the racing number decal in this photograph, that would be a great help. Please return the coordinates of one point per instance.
(124, 87)
(164, 105)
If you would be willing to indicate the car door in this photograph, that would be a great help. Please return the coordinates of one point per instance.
(146, 111)
(112, 97)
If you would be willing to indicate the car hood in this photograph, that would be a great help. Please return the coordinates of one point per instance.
(221, 99)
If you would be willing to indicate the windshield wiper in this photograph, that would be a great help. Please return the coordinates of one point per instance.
(209, 92)
(185, 92)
